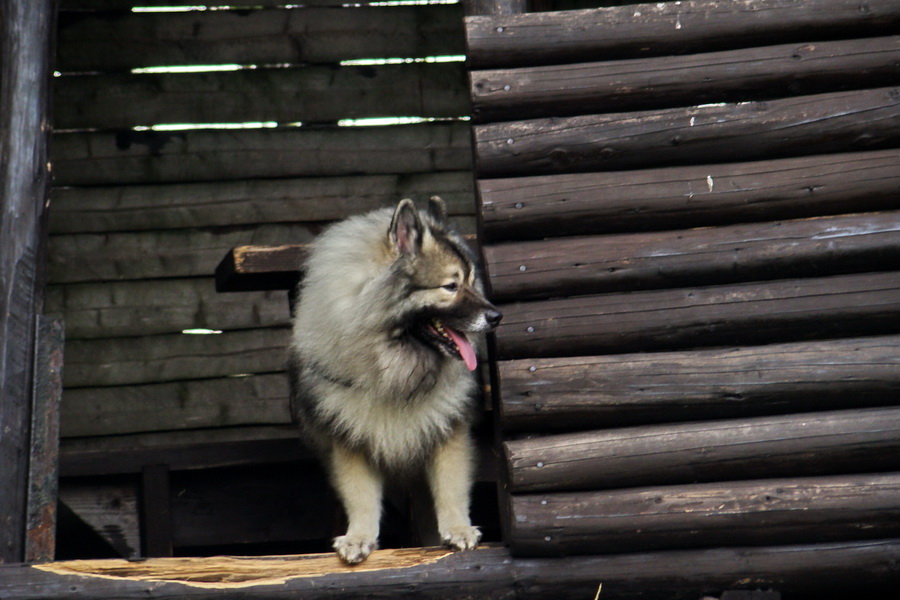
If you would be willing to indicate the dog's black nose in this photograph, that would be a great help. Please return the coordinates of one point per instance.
(493, 317)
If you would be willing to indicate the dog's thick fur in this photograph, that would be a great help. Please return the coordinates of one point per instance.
(380, 364)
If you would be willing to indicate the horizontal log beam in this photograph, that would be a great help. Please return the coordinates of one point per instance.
(648, 83)
(781, 249)
(824, 123)
(251, 268)
(131, 157)
(306, 94)
(553, 394)
(223, 402)
(140, 308)
(850, 567)
(122, 41)
(689, 196)
(215, 204)
(664, 28)
(783, 446)
(846, 507)
(737, 314)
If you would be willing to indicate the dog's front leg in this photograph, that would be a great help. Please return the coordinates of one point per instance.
(450, 478)
(359, 487)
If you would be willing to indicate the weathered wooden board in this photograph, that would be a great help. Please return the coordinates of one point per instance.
(260, 201)
(225, 402)
(803, 510)
(824, 443)
(174, 357)
(689, 196)
(748, 313)
(780, 249)
(127, 4)
(823, 123)
(128, 157)
(109, 508)
(122, 41)
(137, 308)
(667, 28)
(633, 389)
(839, 567)
(182, 450)
(648, 83)
(283, 95)
(249, 268)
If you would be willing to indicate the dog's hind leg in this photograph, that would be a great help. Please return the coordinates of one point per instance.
(450, 478)
(359, 487)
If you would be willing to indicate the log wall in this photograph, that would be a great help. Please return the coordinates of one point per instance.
(269, 125)
(699, 343)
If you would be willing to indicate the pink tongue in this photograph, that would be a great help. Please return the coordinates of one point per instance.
(464, 347)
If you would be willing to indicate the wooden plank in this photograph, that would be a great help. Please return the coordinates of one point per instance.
(824, 443)
(127, 4)
(138, 308)
(650, 83)
(832, 568)
(110, 509)
(780, 249)
(251, 268)
(182, 450)
(670, 198)
(634, 389)
(225, 402)
(777, 311)
(129, 157)
(159, 358)
(227, 203)
(824, 123)
(122, 41)
(43, 461)
(25, 45)
(745, 513)
(156, 511)
(665, 28)
(284, 95)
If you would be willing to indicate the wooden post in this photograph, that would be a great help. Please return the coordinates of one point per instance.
(26, 33)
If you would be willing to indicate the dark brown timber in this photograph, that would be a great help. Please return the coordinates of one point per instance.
(640, 84)
(736, 314)
(815, 509)
(689, 196)
(665, 27)
(837, 122)
(546, 394)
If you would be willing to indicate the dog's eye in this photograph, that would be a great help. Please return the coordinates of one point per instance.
(451, 287)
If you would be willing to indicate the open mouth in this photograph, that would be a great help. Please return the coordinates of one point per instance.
(451, 342)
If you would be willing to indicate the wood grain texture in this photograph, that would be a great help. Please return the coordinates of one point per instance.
(823, 123)
(551, 394)
(535, 207)
(648, 83)
(750, 513)
(663, 28)
(748, 313)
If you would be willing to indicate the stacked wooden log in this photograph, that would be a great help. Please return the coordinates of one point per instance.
(690, 217)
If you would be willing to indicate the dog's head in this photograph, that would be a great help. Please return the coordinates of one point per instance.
(443, 299)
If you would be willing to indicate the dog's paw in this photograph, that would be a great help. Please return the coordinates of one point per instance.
(464, 537)
(353, 549)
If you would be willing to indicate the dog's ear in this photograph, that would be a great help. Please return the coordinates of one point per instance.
(406, 228)
(437, 209)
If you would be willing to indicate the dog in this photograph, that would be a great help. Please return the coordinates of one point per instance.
(385, 329)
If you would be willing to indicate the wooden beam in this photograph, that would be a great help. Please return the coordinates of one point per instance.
(122, 40)
(841, 567)
(738, 314)
(823, 123)
(782, 249)
(746, 513)
(649, 83)
(136, 157)
(26, 42)
(552, 394)
(156, 511)
(865, 440)
(654, 29)
(248, 268)
(688, 196)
